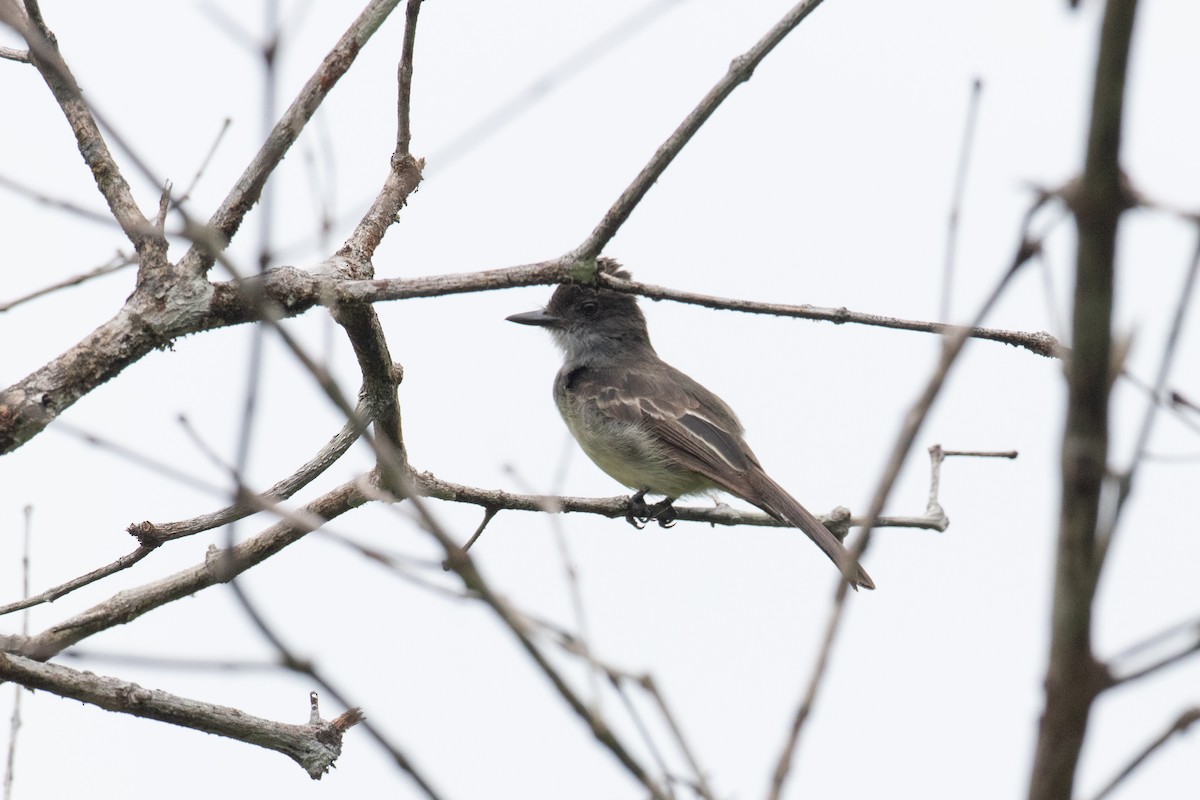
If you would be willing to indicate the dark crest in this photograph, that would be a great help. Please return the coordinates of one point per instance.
(610, 266)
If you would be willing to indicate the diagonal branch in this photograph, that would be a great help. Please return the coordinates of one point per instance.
(220, 566)
(739, 72)
(314, 746)
(1184, 721)
(913, 421)
(150, 245)
(228, 218)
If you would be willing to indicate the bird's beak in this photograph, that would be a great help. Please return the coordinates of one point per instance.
(539, 318)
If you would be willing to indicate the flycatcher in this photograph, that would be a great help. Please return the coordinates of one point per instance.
(647, 424)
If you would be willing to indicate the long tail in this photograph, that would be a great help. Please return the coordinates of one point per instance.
(782, 506)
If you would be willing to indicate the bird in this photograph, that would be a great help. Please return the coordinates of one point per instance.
(651, 427)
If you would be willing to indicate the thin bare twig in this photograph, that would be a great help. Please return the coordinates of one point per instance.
(701, 779)
(960, 185)
(1153, 404)
(52, 594)
(1185, 720)
(225, 222)
(117, 262)
(740, 70)
(218, 567)
(204, 162)
(914, 419)
(14, 726)
(1189, 634)
(1042, 344)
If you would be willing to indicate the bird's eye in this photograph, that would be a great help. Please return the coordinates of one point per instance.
(588, 308)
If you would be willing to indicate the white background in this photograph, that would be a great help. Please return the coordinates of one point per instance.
(824, 180)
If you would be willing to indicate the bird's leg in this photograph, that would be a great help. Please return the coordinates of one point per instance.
(664, 512)
(639, 513)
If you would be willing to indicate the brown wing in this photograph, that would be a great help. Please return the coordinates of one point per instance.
(687, 421)
(701, 433)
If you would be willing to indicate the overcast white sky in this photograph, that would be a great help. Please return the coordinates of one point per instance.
(824, 180)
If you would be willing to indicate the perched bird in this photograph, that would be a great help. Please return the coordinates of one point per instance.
(647, 424)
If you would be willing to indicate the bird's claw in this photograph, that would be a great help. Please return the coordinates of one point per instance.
(662, 512)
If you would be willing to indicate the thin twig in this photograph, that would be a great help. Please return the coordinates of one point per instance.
(956, 199)
(204, 162)
(1180, 725)
(701, 780)
(913, 421)
(225, 222)
(644, 732)
(404, 75)
(1191, 645)
(52, 594)
(740, 70)
(1042, 344)
(117, 262)
(129, 604)
(15, 722)
(1170, 347)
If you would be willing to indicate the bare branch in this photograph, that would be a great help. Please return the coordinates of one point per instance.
(404, 74)
(740, 70)
(150, 245)
(1188, 633)
(1185, 720)
(1073, 676)
(314, 746)
(117, 262)
(429, 485)
(913, 421)
(13, 54)
(153, 534)
(204, 162)
(1153, 404)
(52, 594)
(228, 218)
(960, 185)
(1042, 344)
(218, 567)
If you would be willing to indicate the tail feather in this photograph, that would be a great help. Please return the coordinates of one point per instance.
(782, 506)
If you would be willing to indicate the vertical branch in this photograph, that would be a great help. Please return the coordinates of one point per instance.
(404, 75)
(960, 187)
(15, 723)
(1073, 676)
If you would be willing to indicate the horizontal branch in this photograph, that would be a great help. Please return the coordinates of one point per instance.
(314, 746)
(29, 405)
(1040, 343)
(429, 485)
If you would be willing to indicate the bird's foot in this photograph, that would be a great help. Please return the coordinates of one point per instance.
(640, 513)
